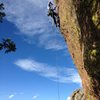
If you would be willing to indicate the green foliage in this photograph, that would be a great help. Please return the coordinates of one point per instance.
(8, 45)
(96, 20)
(2, 14)
(94, 52)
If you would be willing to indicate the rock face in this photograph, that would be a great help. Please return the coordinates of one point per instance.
(78, 95)
(80, 26)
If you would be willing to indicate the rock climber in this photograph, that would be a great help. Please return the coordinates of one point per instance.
(52, 12)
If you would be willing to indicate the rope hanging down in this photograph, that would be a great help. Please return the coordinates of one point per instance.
(52, 12)
(58, 87)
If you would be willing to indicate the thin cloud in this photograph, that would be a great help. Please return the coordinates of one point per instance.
(30, 18)
(52, 41)
(54, 44)
(63, 75)
(68, 98)
(11, 96)
(34, 97)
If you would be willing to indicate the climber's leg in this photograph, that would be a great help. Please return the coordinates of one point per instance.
(54, 19)
(58, 21)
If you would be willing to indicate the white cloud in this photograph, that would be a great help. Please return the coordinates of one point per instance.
(34, 97)
(65, 75)
(14, 94)
(30, 18)
(24, 14)
(54, 44)
(68, 98)
(52, 41)
(11, 96)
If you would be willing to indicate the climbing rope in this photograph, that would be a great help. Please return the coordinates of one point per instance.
(55, 19)
(57, 68)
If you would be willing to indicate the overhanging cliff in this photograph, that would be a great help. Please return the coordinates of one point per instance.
(80, 25)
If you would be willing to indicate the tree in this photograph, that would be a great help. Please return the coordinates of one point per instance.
(6, 44)
(2, 14)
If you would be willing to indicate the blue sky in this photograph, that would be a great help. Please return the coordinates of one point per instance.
(41, 59)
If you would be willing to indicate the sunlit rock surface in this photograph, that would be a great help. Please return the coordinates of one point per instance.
(80, 26)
